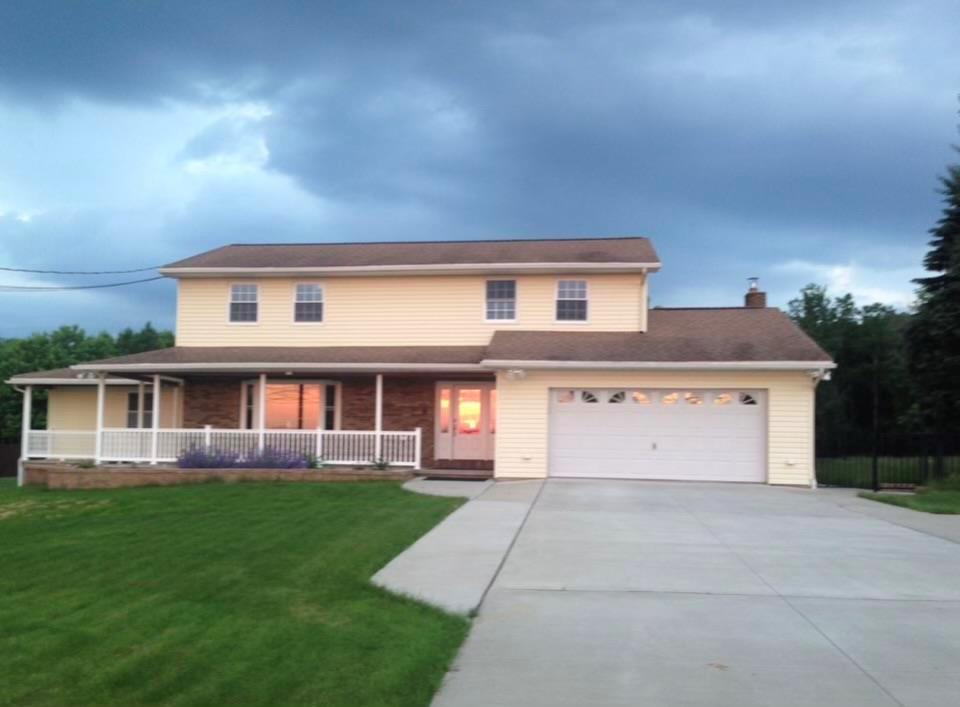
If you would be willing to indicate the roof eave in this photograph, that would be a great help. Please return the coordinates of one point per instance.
(17, 380)
(663, 365)
(268, 366)
(385, 270)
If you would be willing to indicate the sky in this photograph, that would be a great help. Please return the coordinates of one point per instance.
(796, 142)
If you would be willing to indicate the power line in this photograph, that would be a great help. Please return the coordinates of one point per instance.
(77, 272)
(60, 288)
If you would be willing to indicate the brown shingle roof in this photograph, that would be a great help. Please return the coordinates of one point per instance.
(300, 355)
(673, 335)
(66, 375)
(331, 255)
(720, 335)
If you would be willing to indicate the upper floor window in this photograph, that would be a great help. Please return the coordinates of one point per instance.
(572, 301)
(308, 303)
(501, 300)
(244, 302)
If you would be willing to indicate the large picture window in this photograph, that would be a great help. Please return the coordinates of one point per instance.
(308, 304)
(244, 303)
(501, 300)
(293, 406)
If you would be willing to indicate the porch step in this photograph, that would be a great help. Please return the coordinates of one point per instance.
(459, 474)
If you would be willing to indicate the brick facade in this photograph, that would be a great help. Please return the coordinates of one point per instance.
(211, 402)
(408, 402)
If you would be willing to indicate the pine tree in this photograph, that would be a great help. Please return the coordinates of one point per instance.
(933, 336)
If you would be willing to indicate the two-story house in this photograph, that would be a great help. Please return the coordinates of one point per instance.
(524, 358)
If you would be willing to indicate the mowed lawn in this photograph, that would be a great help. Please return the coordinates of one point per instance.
(945, 502)
(246, 594)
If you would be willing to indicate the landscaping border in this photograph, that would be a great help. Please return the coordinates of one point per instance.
(59, 475)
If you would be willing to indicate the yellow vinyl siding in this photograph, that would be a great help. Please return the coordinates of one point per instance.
(75, 407)
(399, 311)
(521, 447)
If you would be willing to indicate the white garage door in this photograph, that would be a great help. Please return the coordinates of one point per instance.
(694, 435)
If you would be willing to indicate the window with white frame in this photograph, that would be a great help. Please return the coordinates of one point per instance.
(501, 300)
(308, 303)
(133, 410)
(244, 303)
(572, 301)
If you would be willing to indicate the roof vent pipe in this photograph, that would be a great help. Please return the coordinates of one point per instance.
(754, 297)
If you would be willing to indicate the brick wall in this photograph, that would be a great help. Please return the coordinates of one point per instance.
(211, 402)
(408, 403)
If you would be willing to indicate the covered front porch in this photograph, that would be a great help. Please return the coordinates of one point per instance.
(413, 420)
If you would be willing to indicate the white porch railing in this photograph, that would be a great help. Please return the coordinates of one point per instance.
(61, 444)
(136, 445)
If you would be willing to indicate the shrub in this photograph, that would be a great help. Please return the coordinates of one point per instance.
(201, 458)
(271, 458)
(214, 458)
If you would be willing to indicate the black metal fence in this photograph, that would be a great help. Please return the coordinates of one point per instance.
(891, 460)
(9, 454)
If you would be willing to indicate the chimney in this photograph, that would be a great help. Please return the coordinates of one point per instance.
(754, 297)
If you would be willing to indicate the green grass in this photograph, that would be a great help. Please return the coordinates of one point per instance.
(942, 497)
(246, 594)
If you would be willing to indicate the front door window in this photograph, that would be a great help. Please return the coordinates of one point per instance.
(466, 420)
(469, 411)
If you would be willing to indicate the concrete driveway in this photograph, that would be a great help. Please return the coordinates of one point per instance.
(640, 593)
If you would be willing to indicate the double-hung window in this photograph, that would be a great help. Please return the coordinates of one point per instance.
(133, 410)
(572, 301)
(501, 300)
(308, 303)
(244, 303)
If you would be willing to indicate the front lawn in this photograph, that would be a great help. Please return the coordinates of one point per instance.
(929, 501)
(943, 497)
(246, 594)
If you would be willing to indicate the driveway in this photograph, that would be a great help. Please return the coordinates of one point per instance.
(657, 594)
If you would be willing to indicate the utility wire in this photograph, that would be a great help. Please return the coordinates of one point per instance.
(78, 272)
(60, 288)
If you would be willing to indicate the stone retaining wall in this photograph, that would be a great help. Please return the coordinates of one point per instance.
(68, 476)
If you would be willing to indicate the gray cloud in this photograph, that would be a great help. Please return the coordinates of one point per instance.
(772, 138)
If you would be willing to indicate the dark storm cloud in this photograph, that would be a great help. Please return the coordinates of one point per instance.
(770, 137)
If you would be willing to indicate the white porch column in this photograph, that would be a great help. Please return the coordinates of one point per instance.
(101, 401)
(175, 413)
(378, 420)
(141, 390)
(155, 436)
(418, 448)
(25, 431)
(262, 411)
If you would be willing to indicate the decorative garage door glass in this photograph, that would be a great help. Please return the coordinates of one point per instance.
(678, 433)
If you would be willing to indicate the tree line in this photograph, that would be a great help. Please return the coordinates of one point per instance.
(898, 373)
(59, 349)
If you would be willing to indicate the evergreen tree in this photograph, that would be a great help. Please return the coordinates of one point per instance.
(933, 335)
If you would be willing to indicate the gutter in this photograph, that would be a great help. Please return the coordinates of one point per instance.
(663, 365)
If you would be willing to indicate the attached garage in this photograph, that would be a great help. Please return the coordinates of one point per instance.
(670, 434)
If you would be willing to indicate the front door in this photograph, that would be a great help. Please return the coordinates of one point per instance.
(466, 420)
